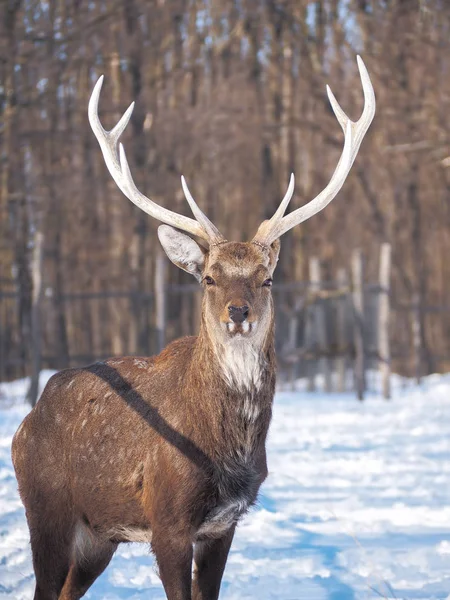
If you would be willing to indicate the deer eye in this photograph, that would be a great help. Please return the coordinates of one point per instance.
(267, 283)
(209, 280)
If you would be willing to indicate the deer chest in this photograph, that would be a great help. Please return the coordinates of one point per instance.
(239, 473)
(236, 486)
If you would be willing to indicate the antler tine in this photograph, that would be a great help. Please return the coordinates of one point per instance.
(118, 167)
(287, 198)
(354, 133)
(207, 225)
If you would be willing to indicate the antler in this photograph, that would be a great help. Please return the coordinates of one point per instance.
(354, 133)
(120, 171)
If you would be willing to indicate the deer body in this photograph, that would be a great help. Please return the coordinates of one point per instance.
(154, 449)
(169, 449)
(111, 428)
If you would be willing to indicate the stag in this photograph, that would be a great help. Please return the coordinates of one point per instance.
(168, 450)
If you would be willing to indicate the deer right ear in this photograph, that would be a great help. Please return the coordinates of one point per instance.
(182, 250)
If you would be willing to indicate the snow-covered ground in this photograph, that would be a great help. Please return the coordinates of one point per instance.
(357, 505)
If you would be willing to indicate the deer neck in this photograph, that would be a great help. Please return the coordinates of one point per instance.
(243, 364)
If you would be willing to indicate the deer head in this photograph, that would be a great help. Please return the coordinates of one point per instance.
(236, 276)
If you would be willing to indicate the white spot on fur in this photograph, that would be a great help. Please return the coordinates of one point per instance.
(139, 363)
(242, 363)
(85, 546)
(222, 518)
(251, 409)
(83, 423)
(81, 542)
(194, 569)
(70, 384)
(131, 534)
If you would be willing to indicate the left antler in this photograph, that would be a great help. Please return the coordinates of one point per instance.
(354, 133)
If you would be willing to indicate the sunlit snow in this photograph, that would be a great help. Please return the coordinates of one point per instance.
(357, 505)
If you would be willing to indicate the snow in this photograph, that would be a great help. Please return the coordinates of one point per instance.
(357, 505)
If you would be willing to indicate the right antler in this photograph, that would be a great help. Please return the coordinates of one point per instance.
(120, 171)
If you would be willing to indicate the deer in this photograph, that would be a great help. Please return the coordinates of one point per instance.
(168, 450)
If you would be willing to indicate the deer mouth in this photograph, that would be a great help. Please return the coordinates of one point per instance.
(239, 329)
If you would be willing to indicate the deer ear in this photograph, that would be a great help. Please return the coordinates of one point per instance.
(274, 253)
(182, 250)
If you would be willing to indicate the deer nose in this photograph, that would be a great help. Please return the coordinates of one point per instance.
(238, 314)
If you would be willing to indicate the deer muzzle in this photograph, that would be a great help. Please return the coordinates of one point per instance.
(238, 314)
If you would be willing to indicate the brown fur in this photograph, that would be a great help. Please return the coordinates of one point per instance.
(163, 449)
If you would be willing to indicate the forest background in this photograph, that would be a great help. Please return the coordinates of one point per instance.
(232, 95)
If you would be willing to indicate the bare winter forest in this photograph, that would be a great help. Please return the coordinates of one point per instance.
(232, 95)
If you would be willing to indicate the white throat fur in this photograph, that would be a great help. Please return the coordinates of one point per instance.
(242, 363)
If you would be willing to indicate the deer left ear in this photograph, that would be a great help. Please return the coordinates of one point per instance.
(182, 250)
(274, 253)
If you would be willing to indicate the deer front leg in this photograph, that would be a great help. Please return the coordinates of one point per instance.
(210, 557)
(173, 552)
